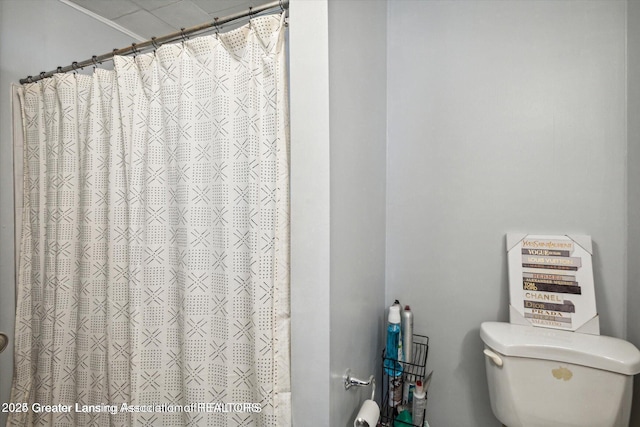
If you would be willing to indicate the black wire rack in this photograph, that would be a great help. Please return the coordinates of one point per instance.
(411, 372)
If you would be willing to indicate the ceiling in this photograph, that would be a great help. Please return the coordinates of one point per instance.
(148, 18)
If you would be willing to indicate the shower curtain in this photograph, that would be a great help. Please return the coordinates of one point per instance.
(153, 284)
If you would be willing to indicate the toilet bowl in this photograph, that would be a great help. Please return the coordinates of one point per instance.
(542, 377)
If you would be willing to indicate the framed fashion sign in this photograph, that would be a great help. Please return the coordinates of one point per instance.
(551, 282)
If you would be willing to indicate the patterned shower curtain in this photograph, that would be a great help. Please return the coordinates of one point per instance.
(153, 284)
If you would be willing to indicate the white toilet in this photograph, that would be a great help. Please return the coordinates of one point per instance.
(541, 377)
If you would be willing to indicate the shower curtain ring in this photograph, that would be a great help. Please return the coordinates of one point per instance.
(154, 43)
(215, 25)
(94, 59)
(29, 79)
(59, 69)
(74, 65)
(183, 35)
(42, 73)
(134, 49)
(250, 15)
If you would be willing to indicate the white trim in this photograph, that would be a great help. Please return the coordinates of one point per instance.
(104, 20)
(310, 213)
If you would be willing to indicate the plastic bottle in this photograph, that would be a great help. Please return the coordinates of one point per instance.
(409, 388)
(393, 355)
(407, 334)
(401, 353)
(419, 404)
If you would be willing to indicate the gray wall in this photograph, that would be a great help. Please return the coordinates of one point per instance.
(357, 93)
(633, 189)
(502, 117)
(35, 35)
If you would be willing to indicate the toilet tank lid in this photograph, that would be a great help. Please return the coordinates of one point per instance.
(596, 351)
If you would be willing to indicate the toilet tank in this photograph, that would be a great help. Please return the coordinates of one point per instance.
(541, 377)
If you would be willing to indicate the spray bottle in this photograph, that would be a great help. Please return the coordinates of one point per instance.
(393, 356)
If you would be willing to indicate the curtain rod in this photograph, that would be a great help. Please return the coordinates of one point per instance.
(156, 42)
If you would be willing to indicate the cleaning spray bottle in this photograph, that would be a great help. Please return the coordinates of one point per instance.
(393, 356)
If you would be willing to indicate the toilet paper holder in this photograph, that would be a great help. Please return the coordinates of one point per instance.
(350, 381)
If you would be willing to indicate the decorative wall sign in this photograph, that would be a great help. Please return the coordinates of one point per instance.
(551, 282)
